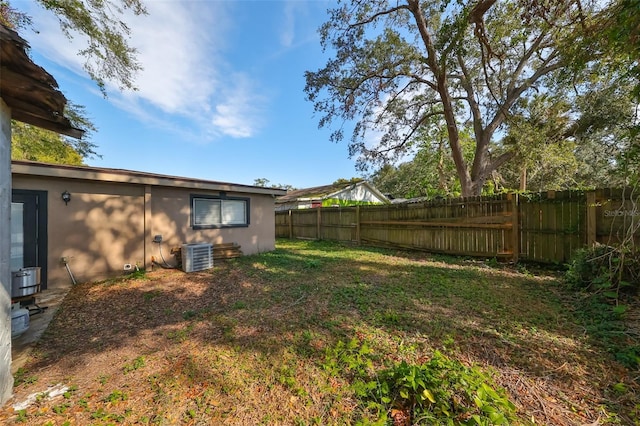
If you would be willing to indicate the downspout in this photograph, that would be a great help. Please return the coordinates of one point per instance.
(146, 231)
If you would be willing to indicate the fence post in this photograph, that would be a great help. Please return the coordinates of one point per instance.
(591, 218)
(515, 226)
(290, 225)
(319, 223)
(358, 224)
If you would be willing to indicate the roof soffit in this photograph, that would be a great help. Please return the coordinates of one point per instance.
(30, 91)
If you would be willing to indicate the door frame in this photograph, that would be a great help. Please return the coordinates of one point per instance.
(41, 198)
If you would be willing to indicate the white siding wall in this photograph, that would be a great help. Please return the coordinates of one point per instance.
(359, 193)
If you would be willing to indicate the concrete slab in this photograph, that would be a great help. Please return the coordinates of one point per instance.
(49, 301)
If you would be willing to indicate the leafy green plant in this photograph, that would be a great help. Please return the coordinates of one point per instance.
(102, 379)
(605, 269)
(115, 396)
(83, 402)
(102, 414)
(439, 391)
(22, 416)
(69, 392)
(352, 358)
(61, 408)
(20, 377)
(607, 276)
(137, 363)
(138, 274)
(443, 389)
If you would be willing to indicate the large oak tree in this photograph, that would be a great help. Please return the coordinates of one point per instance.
(399, 68)
(108, 57)
(100, 24)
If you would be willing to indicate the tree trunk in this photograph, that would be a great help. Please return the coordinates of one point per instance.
(523, 179)
(441, 175)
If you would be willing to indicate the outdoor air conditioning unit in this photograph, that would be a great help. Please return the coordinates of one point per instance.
(197, 257)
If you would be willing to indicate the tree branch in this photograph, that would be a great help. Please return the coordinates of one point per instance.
(379, 14)
(477, 13)
(515, 93)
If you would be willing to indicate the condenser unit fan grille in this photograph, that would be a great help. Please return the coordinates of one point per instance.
(197, 257)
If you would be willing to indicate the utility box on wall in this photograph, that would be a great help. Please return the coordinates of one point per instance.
(197, 257)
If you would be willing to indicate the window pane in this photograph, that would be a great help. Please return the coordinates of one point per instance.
(234, 212)
(206, 212)
(17, 236)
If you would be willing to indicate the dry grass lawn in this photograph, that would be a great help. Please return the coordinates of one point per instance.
(246, 343)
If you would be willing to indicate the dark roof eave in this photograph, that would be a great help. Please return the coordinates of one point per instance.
(33, 168)
(29, 90)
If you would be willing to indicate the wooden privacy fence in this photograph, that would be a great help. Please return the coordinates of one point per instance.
(543, 227)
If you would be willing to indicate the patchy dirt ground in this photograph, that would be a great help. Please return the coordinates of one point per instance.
(244, 343)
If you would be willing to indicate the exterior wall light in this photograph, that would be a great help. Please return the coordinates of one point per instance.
(66, 197)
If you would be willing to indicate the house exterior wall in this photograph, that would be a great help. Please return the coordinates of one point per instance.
(107, 225)
(6, 379)
(99, 230)
(171, 209)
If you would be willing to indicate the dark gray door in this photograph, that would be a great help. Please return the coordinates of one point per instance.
(29, 231)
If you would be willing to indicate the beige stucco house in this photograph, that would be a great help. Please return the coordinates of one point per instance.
(111, 217)
(28, 93)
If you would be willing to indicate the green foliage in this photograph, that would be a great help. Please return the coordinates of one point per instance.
(605, 269)
(607, 276)
(137, 363)
(108, 54)
(115, 396)
(70, 391)
(138, 274)
(537, 137)
(407, 69)
(13, 18)
(343, 181)
(439, 391)
(351, 358)
(606, 326)
(20, 377)
(337, 202)
(105, 416)
(22, 416)
(444, 390)
(264, 182)
(431, 172)
(60, 408)
(36, 144)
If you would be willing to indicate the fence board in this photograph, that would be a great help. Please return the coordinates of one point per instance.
(546, 227)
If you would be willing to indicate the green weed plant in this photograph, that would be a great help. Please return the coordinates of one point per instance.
(440, 391)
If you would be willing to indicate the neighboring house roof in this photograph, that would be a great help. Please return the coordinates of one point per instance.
(326, 192)
(29, 90)
(410, 200)
(99, 174)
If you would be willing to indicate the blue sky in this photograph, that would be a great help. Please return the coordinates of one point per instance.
(220, 97)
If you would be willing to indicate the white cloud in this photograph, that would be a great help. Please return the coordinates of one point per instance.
(287, 32)
(181, 48)
(240, 115)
